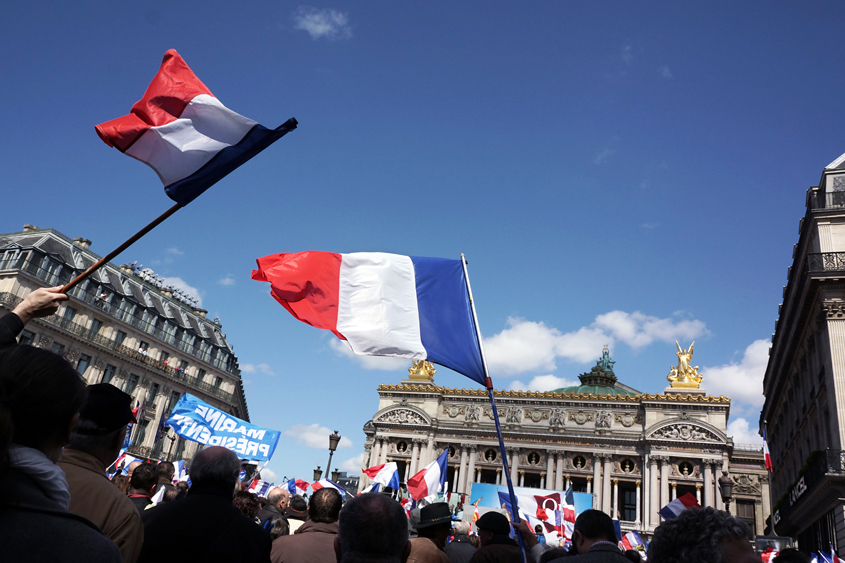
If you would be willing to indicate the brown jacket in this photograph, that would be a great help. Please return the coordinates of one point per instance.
(424, 550)
(313, 542)
(95, 498)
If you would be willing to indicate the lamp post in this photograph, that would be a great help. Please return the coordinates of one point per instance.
(317, 474)
(726, 487)
(334, 439)
(335, 475)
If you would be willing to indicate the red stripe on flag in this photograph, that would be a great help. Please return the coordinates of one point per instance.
(307, 284)
(371, 472)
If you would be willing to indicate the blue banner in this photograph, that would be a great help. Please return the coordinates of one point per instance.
(198, 421)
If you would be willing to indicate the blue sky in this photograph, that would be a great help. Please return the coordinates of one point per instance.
(616, 173)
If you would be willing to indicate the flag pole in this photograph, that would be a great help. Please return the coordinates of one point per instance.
(489, 386)
(121, 248)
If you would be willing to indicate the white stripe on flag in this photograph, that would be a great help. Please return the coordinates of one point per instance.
(377, 310)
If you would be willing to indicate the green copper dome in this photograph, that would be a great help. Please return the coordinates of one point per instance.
(600, 380)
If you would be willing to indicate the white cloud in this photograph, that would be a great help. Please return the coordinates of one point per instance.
(665, 72)
(315, 436)
(331, 24)
(175, 251)
(526, 346)
(649, 226)
(542, 383)
(270, 476)
(259, 368)
(741, 381)
(602, 157)
(179, 283)
(741, 432)
(627, 54)
(353, 465)
(227, 281)
(368, 362)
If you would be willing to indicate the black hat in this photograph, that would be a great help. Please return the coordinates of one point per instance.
(495, 522)
(434, 514)
(108, 407)
(298, 506)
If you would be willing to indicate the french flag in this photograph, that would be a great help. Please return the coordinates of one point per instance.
(381, 304)
(323, 483)
(431, 480)
(768, 555)
(297, 486)
(386, 474)
(259, 487)
(185, 134)
(675, 507)
(766, 455)
(632, 540)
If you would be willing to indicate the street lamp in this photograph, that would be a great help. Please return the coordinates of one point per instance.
(317, 474)
(726, 487)
(336, 475)
(333, 441)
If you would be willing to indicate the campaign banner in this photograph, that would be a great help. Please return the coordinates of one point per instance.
(198, 421)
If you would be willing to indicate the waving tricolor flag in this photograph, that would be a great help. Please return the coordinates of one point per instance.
(386, 474)
(381, 304)
(185, 134)
(259, 487)
(431, 480)
(323, 483)
(766, 455)
(675, 507)
(297, 486)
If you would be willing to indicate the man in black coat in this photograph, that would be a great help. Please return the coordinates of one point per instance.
(594, 539)
(460, 549)
(205, 526)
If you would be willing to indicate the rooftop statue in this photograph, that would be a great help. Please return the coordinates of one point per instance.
(684, 376)
(422, 369)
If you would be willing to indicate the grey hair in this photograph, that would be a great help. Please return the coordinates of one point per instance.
(373, 528)
(696, 536)
(278, 494)
(215, 466)
(461, 528)
(84, 437)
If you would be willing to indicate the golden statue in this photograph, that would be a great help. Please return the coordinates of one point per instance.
(684, 376)
(421, 370)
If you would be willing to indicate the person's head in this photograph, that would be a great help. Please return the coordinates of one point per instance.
(702, 534)
(40, 398)
(165, 471)
(492, 525)
(372, 527)
(435, 522)
(215, 467)
(278, 526)
(538, 529)
(247, 503)
(131, 467)
(170, 495)
(325, 505)
(592, 526)
(279, 497)
(183, 486)
(121, 482)
(461, 528)
(633, 555)
(552, 554)
(143, 480)
(298, 507)
(791, 555)
(102, 422)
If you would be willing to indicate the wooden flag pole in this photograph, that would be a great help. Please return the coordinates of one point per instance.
(121, 248)
(489, 385)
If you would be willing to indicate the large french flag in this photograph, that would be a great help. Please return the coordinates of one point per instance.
(675, 507)
(297, 486)
(431, 480)
(385, 474)
(185, 134)
(327, 483)
(767, 457)
(381, 304)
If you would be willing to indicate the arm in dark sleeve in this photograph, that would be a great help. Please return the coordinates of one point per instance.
(10, 326)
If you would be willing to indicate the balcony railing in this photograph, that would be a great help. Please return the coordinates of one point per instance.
(826, 262)
(11, 301)
(829, 200)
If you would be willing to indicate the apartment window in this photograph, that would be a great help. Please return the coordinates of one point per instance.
(26, 337)
(201, 374)
(82, 364)
(131, 383)
(57, 348)
(69, 314)
(153, 392)
(218, 381)
(143, 347)
(163, 356)
(183, 365)
(174, 398)
(119, 338)
(95, 327)
(108, 373)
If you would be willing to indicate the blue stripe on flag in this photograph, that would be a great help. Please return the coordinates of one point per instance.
(447, 329)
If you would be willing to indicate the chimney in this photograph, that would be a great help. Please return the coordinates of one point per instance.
(201, 312)
(82, 243)
(127, 269)
(30, 228)
(167, 292)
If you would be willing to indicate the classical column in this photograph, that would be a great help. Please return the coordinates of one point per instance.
(522, 478)
(653, 492)
(385, 446)
(708, 484)
(597, 481)
(559, 471)
(376, 453)
(568, 483)
(498, 476)
(514, 463)
(664, 481)
(605, 489)
(674, 491)
(463, 480)
(542, 480)
(836, 336)
(644, 498)
(550, 471)
(363, 480)
(429, 452)
(477, 475)
(637, 513)
(615, 514)
(590, 486)
(471, 476)
(698, 493)
(456, 479)
(412, 463)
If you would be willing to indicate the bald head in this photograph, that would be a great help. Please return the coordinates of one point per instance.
(215, 467)
(131, 467)
(279, 497)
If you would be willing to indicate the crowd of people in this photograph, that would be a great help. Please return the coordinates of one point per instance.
(58, 437)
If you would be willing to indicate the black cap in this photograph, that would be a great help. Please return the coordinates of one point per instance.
(434, 514)
(495, 522)
(298, 506)
(107, 406)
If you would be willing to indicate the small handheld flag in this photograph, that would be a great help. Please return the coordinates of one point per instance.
(323, 483)
(185, 134)
(431, 480)
(675, 507)
(297, 486)
(766, 455)
(386, 474)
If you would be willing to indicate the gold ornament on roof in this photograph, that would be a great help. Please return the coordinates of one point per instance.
(684, 376)
(421, 370)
